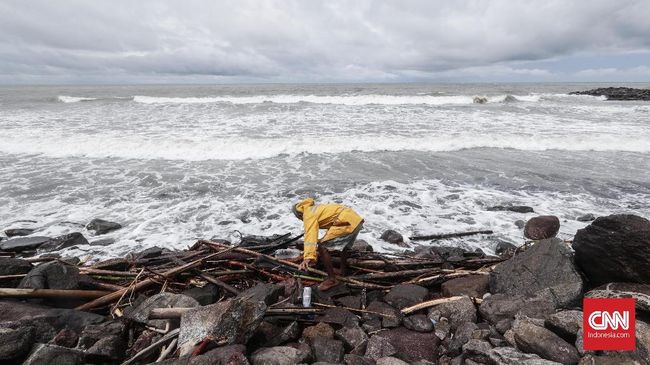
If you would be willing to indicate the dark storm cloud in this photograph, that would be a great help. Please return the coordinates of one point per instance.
(319, 40)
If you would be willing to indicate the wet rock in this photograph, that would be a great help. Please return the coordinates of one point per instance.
(457, 311)
(405, 295)
(225, 355)
(352, 336)
(65, 241)
(393, 237)
(586, 218)
(265, 292)
(350, 359)
(462, 334)
(279, 355)
(66, 338)
(51, 275)
(109, 348)
(100, 226)
(613, 358)
(511, 356)
(473, 286)
(102, 242)
(520, 223)
(538, 340)
(504, 248)
(23, 243)
(391, 361)
(500, 309)
(361, 246)
(18, 232)
(477, 350)
(233, 320)
(642, 334)
(15, 343)
(150, 253)
(46, 354)
(412, 346)
(617, 93)
(269, 334)
(542, 227)
(512, 208)
(442, 328)
(378, 347)
(208, 294)
(640, 292)
(546, 268)
(340, 316)
(12, 266)
(603, 249)
(350, 301)
(141, 312)
(392, 318)
(92, 334)
(42, 316)
(419, 323)
(320, 330)
(118, 264)
(565, 324)
(327, 350)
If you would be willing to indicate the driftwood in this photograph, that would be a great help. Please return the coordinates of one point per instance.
(434, 302)
(51, 293)
(448, 235)
(153, 347)
(172, 313)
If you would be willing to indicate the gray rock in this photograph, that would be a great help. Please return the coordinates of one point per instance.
(457, 311)
(23, 243)
(472, 285)
(225, 355)
(14, 343)
(46, 354)
(404, 295)
(65, 241)
(340, 316)
(12, 266)
(613, 358)
(391, 361)
(205, 295)
(511, 356)
(586, 217)
(17, 232)
(327, 350)
(233, 320)
(320, 330)
(603, 249)
(565, 324)
(352, 336)
(100, 226)
(409, 344)
(442, 328)
(361, 246)
(642, 332)
(538, 340)
(378, 347)
(350, 359)
(393, 316)
(350, 301)
(66, 338)
(51, 275)
(546, 268)
(92, 334)
(45, 320)
(141, 312)
(542, 227)
(640, 292)
(419, 323)
(477, 350)
(109, 348)
(279, 355)
(520, 223)
(393, 237)
(265, 292)
(512, 208)
(461, 336)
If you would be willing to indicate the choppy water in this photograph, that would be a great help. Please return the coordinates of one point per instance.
(176, 163)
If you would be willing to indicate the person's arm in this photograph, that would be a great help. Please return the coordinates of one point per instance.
(311, 236)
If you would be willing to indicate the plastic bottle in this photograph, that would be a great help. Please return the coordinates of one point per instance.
(306, 297)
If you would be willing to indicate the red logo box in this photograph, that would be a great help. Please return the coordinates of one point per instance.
(609, 324)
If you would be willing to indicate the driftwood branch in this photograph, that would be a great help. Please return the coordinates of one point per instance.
(50, 293)
(153, 347)
(434, 302)
(448, 235)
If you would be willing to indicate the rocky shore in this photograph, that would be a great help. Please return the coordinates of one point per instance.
(217, 303)
(617, 93)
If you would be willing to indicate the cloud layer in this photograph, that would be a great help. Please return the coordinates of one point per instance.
(298, 40)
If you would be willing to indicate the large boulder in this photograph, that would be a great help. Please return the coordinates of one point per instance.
(46, 354)
(43, 317)
(327, 350)
(546, 268)
(565, 324)
(532, 338)
(404, 295)
(412, 346)
(13, 266)
(472, 285)
(542, 227)
(65, 241)
(233, 320)
(18, 232)
(23, 243)
(15, 343)
(100, 226)
(500, 309)
(393, 237)
(456, 311)
(141, 312)
(265, 292)
(614, 248)
(640, 292)
(52, 275)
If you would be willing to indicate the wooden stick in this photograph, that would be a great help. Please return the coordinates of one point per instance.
(50, 293)
(167, 350)
(355, 310)
(91, 271)
(151, 348)
(394, 274)
(446, 274)
(145, 283)
(17, 276)
(219, 283)
(434, 302)
(448, 235)
(171, 313)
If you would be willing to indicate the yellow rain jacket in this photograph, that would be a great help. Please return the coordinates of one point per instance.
(338, 219)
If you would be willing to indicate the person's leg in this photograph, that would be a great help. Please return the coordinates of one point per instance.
(344, 261)
(326, 259)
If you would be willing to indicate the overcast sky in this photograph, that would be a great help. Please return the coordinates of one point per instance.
(143, 41)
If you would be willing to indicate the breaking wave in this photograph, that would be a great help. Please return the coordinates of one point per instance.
(73, 99)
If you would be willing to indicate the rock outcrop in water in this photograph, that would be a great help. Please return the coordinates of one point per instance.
(617, 93)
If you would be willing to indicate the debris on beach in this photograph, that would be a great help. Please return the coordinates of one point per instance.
(250, 303)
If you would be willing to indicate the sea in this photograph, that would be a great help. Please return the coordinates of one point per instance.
(177, 163)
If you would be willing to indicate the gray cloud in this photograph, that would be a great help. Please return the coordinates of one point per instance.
(296, 40)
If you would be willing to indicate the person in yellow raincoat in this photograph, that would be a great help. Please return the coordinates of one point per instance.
(343, 225)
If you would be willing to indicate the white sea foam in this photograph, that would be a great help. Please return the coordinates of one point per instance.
(372, 99)
(73, 99)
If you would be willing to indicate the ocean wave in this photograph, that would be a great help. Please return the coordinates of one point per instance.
(73, 99)
(238, 148)
(371, 99)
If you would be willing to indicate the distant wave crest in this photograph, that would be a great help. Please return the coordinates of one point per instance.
(73, 99)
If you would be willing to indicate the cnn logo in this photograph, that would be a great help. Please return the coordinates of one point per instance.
(609, 324)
